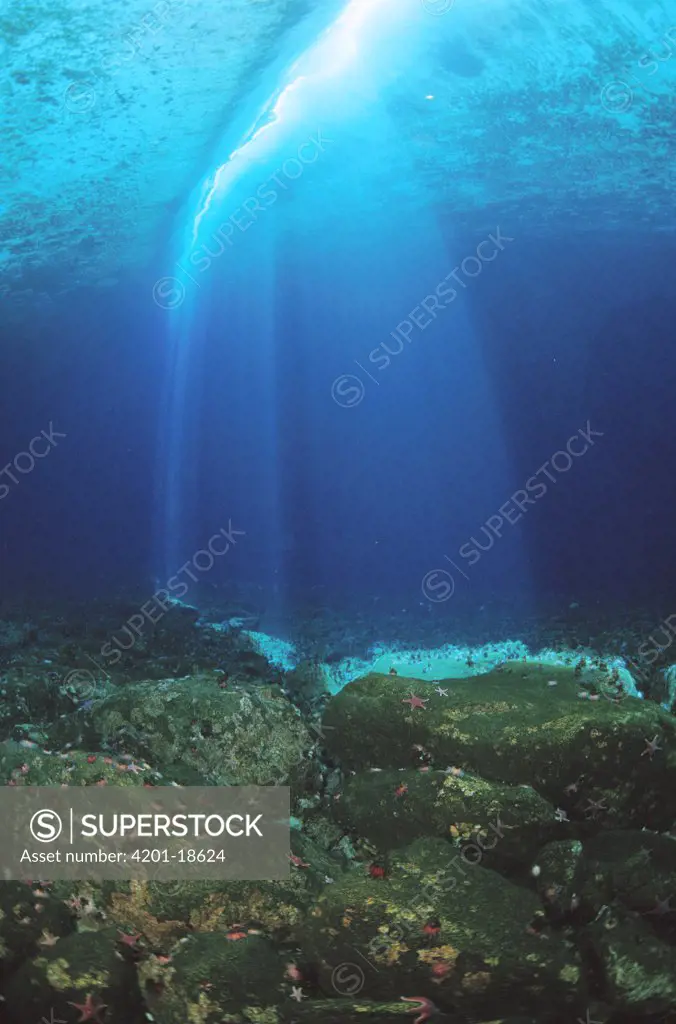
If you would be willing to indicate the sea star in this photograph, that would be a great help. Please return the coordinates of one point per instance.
(595, 807)
(416, 702)
(89, 1010)
(661, 907)
(297, 993)
(560, 815)
(588, 1019)
(651, 747)
(442, 692)
(298, 862)
(424, 1004)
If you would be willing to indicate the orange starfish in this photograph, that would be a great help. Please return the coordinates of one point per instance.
(416, 702)
(89, 1010)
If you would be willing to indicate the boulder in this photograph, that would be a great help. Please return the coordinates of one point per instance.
(592, 759)
(638, 968)
(504, 824)
(209, 977)
(458, 934)
(197, 733)
(85, 970)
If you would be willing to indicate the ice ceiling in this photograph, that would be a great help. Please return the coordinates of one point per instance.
(551, 110)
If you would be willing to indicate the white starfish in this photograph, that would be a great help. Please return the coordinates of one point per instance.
(662, 907)
(297, 993)
(52, 1019)
(595, 807)
(588, 1019)
(442, 693)
(651, 747)
(561, 815)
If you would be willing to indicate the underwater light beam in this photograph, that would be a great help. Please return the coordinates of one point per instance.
(330, 55)
(333, 51)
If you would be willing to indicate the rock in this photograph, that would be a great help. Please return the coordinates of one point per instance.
(30, 917)
(179, 615)
(559, 878)
(197, 733)
(589, 758)
(459, 934)
(209, 976)
(636, 869)
(80, 967)
(506, 824)
(165, 912)
(639, 970)
(35, 767)
(354, 1011)
(249, 666)
(306, 684)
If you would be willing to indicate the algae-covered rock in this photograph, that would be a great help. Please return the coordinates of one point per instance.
(31, 918)
(638, 967)
(210, 979)
(593, 759)
(638, 869)
(505, 824)
(559, 877)
(459, 934)
(164, 912)
(197, 733)
(83, 969)
(348, 1011)
(36, 767)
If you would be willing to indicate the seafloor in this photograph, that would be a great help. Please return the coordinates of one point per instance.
(501, 848)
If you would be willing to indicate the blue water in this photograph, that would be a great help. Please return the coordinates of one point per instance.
(339, 369)
(321, 359)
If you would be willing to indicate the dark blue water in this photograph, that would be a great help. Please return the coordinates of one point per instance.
(556, 335)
